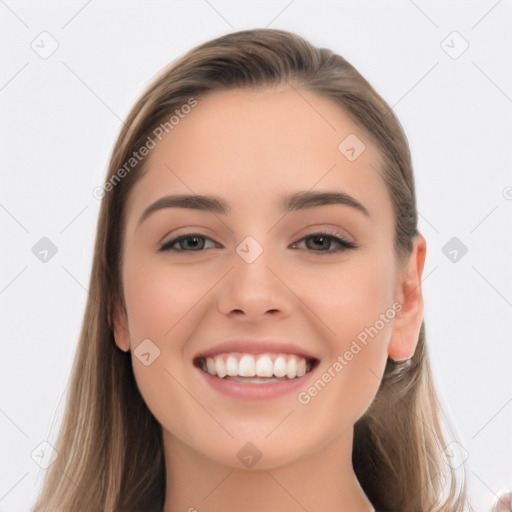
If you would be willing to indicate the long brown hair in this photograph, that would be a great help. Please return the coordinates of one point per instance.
(110, 450)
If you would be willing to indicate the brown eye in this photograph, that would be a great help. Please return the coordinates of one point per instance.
(320, 243)
(186, 243)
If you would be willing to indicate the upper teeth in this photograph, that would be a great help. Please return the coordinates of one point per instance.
(262, 365)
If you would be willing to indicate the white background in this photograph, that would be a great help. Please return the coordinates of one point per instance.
(60, 117)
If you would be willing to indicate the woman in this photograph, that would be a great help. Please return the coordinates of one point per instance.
(254, 336)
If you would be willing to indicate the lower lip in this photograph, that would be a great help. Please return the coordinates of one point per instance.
(251, 391)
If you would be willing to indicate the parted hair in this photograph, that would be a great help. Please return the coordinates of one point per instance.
(110, 448)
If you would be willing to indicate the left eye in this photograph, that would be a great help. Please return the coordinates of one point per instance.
(198, 245)
(329, 238)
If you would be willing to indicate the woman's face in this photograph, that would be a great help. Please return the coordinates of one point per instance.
(261, 275)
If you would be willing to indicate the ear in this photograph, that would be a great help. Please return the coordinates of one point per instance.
(407, 323)
(120, 327)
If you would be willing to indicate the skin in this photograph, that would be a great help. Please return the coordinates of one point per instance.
(252, 148)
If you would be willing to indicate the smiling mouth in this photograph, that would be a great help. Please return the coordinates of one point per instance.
(256, 369)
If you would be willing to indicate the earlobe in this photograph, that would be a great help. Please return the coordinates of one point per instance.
(120, 328)
(407, 323)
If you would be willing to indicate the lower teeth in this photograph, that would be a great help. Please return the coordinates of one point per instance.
(255, 380)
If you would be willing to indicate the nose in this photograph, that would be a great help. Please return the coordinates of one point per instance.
(256, 287)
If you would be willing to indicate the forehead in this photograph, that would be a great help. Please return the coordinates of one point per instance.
(254, 146)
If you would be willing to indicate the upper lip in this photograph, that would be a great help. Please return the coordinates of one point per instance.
(256, 346)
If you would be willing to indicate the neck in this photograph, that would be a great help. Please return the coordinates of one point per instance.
(323, 481)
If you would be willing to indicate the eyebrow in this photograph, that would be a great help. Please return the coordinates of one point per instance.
(294, 202)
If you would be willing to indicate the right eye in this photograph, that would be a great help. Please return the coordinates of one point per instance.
(182, 241)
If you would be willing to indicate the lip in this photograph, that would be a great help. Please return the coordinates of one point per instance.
(247, 391)
(255, 346)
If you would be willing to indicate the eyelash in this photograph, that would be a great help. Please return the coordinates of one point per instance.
(168, 246)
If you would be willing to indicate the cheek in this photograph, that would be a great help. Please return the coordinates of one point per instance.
(356, 305)
(353, 296)
(160, 303)
(158, 297)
